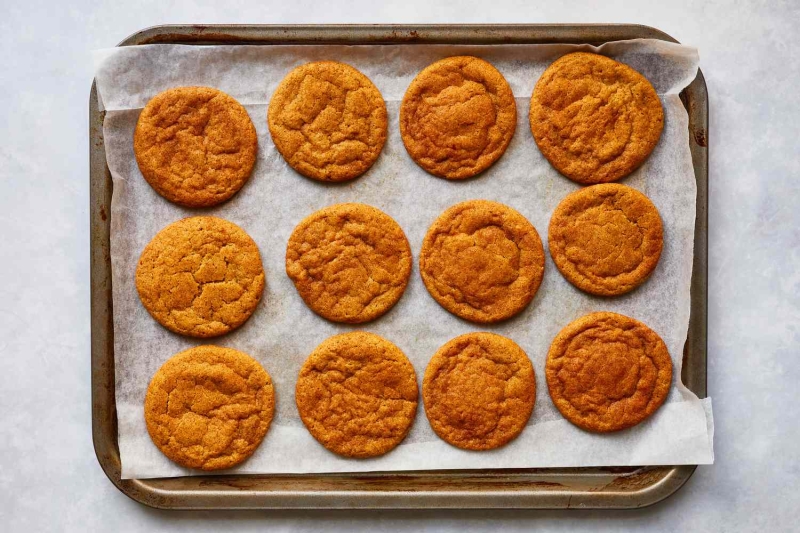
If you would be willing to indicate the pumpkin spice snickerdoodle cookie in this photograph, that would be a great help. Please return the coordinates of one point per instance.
(457, 117)
(479, 391)
(607, 372)
(349, 262)
(200, 276)
(357, 394)
(209, 407)
(482, 261)
(606, 239)
(196, 146)
(595, 119)
(328, 121)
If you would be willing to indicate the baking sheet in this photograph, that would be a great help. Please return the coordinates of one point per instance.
(282, 332)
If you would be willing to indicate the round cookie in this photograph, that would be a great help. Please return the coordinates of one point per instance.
(328, 121)
(196, 146)
(200, 276)
(479, 391)
(607, 372)
(209, 407)
(482, 261)
(595, 119)
(357, 394)
(606, 239)
(457, 117)
(349, 262)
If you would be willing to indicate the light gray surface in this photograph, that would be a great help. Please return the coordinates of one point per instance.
(49, 478)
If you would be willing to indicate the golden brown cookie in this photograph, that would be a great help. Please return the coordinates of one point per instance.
(349, 262)
(209, 407)
(606, 239)
(357, 394)
(482, 261)
(594, 119)
(196, 146)
(608, 372)
(479, 391)
(328, 121)
(200, 276)
(457, 117)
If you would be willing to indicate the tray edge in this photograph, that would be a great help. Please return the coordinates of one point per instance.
(138, 489)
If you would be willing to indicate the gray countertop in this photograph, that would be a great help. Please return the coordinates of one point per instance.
(49, 477)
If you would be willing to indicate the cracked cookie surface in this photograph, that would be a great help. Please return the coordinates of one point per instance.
(479, 391)
(196, 146)
(607, 372)
(595, 119)
(200, 276)
(357, 394)
(457, 117)
(606, 239)
(349, 262)
(328, 121)
(209, 407)
(482, 261)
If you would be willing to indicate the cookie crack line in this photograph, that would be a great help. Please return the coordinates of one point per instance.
(598, 408)
(357, 394)
(619, 247)
(333, 416)
(383, 287)
(202, 284)
(464, 77)
(340, 241)
(356, 366)
(591, 155)
(460, 102)
(608, 401)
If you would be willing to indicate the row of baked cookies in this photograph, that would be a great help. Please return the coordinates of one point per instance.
(594, 119)
(210, 407)
(482, 261)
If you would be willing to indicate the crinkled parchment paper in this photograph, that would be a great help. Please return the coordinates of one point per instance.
(282, 332)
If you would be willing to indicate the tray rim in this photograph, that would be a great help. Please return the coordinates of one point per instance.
(656, 484)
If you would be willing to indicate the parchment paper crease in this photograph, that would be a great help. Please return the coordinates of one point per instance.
(282, 332)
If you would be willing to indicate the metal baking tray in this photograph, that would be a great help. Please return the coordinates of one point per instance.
(539, 488)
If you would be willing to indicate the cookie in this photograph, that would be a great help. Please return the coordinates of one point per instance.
(196, 146)
(482, 261)
(608, 372)
(209, 407)
(349, 262)
(328, 121)
(200, 276)
(457, 117)
(606, 239)
(357, 394)
(479, 391)
(595, 119)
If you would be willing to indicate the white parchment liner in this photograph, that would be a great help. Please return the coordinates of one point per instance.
(282, 332)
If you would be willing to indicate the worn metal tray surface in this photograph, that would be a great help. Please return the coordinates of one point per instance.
(584, 488)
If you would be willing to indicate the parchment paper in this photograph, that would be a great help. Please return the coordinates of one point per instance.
(282, 332)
